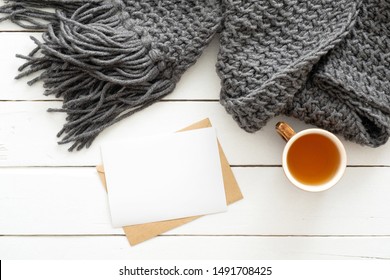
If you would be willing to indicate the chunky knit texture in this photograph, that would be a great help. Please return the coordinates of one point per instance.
(325, 62)
(108, 59)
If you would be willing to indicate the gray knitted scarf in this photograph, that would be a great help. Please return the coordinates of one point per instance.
(325, 62)
(108, 59)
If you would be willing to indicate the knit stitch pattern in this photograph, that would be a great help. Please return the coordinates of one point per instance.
(108, 59)
(324, 62)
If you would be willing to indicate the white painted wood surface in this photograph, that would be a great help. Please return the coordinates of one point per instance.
(195, 247)
(70, 201)
(52, 204)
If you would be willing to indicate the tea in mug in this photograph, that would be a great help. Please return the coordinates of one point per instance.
(313, 159)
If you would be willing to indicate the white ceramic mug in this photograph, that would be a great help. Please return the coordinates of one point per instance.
(295, 139)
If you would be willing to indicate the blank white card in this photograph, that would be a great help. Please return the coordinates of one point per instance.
(164, 177)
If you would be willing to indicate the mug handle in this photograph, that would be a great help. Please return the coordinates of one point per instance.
(284, 130)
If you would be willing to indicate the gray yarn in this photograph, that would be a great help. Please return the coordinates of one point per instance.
(325, 62)
(109, 59)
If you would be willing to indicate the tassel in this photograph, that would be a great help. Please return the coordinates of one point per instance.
(103, 71)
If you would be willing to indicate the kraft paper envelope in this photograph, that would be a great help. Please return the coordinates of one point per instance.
(139, 233)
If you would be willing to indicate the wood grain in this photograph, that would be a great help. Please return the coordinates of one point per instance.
(28, 135)
(195, 248)
(72, 201)
(52, 204)
(200, 82)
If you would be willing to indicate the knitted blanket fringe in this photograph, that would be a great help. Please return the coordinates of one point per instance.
(103, 66)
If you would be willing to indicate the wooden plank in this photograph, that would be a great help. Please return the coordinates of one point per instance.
(28, 135)
(195, 248)
(12, 89)
(8, 26)
(72, 201)
(199, 82)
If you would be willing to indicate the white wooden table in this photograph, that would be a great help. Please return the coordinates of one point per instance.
(53, 206)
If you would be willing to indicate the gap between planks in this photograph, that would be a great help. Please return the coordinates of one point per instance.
(207, 235)
(232, 166)
(23, 31)
(60, 100)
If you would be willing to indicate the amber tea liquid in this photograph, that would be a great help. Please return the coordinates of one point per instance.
(313, 159)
